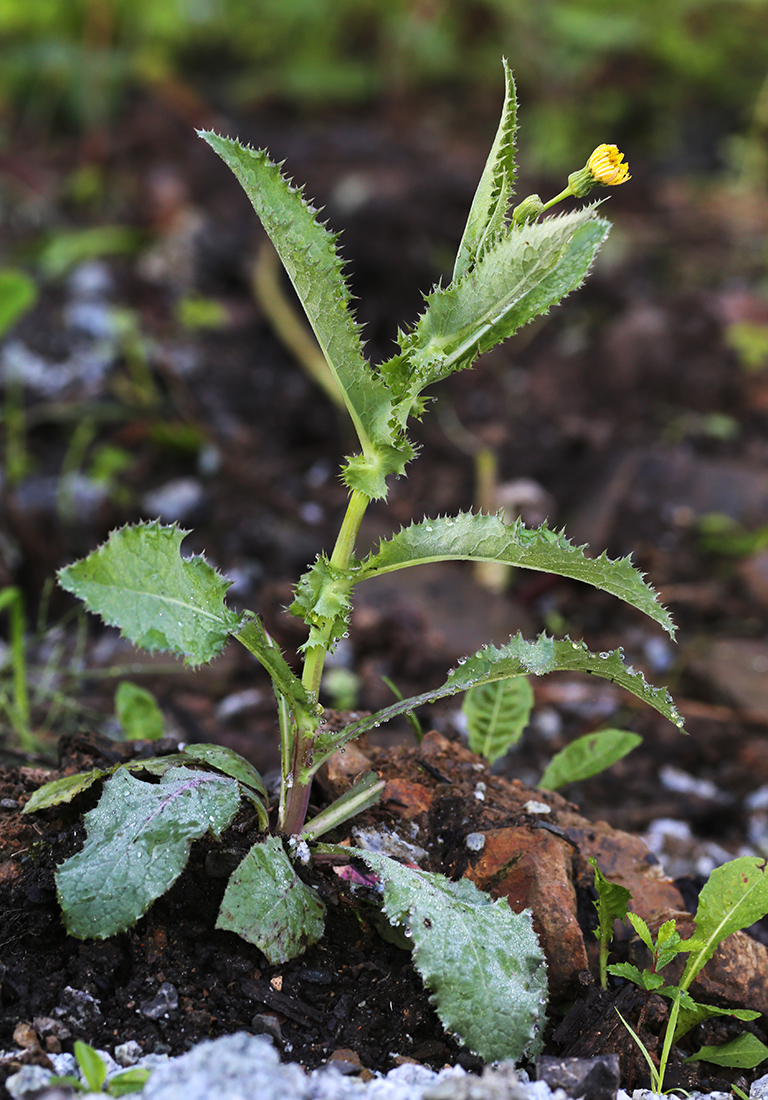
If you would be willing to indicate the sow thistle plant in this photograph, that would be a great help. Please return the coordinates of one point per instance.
(481, 961)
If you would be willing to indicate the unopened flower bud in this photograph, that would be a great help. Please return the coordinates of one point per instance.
(528, 210)
(606, 167)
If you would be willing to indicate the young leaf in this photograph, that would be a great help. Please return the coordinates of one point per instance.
(91, 1065)
(693, 1014)
(364, 793)
(61, 790)
(733, 897)
(744, 1052)
(482, 962)
(322, 600)
(137, 845)
(611, 904)
(133, 1080)
(480, 537)
(489, 206)
(630, 972)
(497, 714)
(138, 713)
(308, 253)
(521, 275)
(267, 904)
(642, 930)
(138, 581)
(587, 756)
(229, 762)
(518, 657)
(18, 293)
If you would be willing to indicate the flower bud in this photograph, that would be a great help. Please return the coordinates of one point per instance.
(528, 210)
(606, 167)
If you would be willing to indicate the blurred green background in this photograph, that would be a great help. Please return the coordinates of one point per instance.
(681, 81)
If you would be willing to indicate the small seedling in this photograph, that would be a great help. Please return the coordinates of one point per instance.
(482, 962)
(94, 1075)
(734, 897)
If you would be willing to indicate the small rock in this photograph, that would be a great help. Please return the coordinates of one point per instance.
(475, 841)
(264, 1023)
(759, 1089)
(24, 1035)
(501, 1083)
(166, 1000)
(77, 1008)
(28, 1083)
(128, 1054)
(347, 1062)
(593, 1078)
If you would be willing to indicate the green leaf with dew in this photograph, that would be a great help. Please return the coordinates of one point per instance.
(309, 255)
(482, 962)
(518, 657)
(229, 762)
(587, 756)
(138, 841)
(267, 904)
(496, 715)
(480, 537)
(63, 790)
(138, 581)
(611, 904)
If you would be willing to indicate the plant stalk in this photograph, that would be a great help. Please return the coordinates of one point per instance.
(296, 785)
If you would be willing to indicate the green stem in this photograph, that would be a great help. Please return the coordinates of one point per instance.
(340, 559)
(299, 780)
(558, 198)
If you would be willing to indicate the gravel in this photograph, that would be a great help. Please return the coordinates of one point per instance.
(247, 1067)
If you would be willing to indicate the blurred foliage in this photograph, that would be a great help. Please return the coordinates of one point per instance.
(663, 73)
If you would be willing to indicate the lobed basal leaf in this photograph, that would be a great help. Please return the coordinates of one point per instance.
(138, 842)
(482, 962)
(138, 581)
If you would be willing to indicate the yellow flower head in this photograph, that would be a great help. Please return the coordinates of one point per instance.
(608, 167)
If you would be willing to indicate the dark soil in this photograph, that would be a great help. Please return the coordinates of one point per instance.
(628, 410)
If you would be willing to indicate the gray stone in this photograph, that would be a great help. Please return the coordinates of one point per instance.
(593, 1078)
(236, 1067)
(166, 1000)
(28, 1083)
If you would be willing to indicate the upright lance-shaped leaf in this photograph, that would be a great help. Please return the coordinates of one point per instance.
(520, 275)
(139, 582)
(138, 844)
(482, 962)
(482, 537)
(489, 206)
(517, 658)
(308, 253)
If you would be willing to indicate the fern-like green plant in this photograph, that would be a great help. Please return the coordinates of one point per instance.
(482, 962)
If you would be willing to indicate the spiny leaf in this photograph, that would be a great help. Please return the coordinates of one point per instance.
(518, 657)
(587, 756)
(482, 962)
(497, 714)
(138, 844)
(322, 600)
(481, 537)
(521, 274)
(228, 762)
(267, 904)
(138, 581)
(489, 206)
(310, 257)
